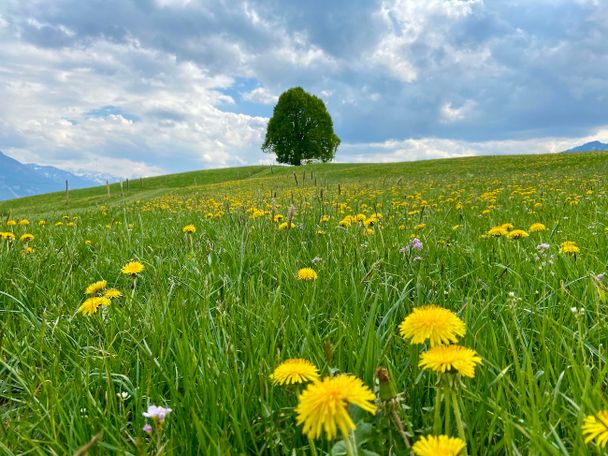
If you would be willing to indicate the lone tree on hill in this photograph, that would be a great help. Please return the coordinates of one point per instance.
(300, 129)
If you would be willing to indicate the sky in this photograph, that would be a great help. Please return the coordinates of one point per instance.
(146, 87)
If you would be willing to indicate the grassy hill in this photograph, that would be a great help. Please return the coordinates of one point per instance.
(268, 178)
(192, 291)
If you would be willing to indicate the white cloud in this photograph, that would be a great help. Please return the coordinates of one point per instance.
(261, 95)
(434, 148)
(47, 94)
(450, 114)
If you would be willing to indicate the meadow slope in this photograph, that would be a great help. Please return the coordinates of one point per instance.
(219, 305)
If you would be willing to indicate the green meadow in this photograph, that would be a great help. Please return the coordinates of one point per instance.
(214, 312)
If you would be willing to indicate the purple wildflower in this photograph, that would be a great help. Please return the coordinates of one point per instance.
(416, 244)
(157, 413)
(147, 428)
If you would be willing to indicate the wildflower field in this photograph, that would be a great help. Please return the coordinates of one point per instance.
(441, 307)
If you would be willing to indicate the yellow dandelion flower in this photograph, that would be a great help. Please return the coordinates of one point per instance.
(360, 217)
(537, 227)
(294, 371)
(8, 235)
(189, 229)
(132, 268)
(28, 250)
(87, 242)
(438, 445)
(95, 287)
(27, 237)
(91, 305)
(278, 218)
(420, 226)
(507, 226)
(24, 222)
(319, 232)
(450, 358)
(324, 219)
(517, 234)
(441, 326)
(497, 231)
(323, 406)
(307, 274)
(595, 427)
(401, 227)
(112, 293)
(41, 222)
(11, 223)
(569, 247)
(286, 226)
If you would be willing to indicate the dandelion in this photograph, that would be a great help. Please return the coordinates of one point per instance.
(294, 371)
(439, 325)
(24, 222)
(450, 358)
(287, 226)
(536, 228)
(517, 234)
(307, 274)
(91, 305)
(132, 268)
(189, 229)
(11, 223)
(278, 218)
(569, 247)
(438, 445)
(595, 427)
(27, 237)
(8, 235)
(112, 293)
(95, 287)
(497, 231)
(41, 222)
(28, 250)
(324, 219)
(323, 406)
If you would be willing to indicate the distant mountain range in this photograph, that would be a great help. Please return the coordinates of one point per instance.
(18, 179)
(589, 147)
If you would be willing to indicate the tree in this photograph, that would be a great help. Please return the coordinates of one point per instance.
(300, 129)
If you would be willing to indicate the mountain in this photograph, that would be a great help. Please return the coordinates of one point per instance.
(589, 147)
(18, 179)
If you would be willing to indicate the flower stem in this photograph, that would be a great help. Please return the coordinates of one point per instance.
(313, 448)
(437, 411)
(459, 423)
(348, 444)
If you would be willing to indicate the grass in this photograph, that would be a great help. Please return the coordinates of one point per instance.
(215, 312)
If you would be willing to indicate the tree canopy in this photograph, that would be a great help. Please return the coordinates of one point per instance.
(300, 129)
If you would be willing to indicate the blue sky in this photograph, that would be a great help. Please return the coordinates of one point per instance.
(147, 87)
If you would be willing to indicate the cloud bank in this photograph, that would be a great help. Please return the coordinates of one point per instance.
(154, 86)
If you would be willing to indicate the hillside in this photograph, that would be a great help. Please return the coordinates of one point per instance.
(186, 314)
(267, 178)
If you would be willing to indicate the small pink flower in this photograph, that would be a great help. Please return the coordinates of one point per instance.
(157, 413)
(147, 428)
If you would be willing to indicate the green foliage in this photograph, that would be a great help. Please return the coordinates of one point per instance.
(300, 129)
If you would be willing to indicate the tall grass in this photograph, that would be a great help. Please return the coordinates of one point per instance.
(214, 312)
